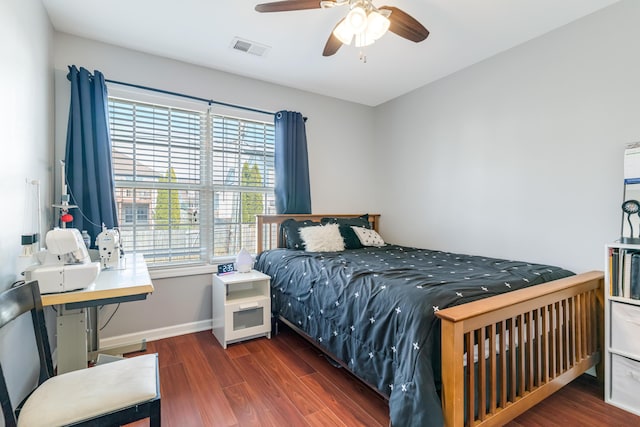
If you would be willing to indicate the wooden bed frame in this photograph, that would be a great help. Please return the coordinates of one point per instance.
(556, 328)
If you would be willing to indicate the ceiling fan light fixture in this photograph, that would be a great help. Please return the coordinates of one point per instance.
(343, 32)
(377, 25)
(357, 19)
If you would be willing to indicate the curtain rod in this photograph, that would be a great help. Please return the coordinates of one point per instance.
(209, 101)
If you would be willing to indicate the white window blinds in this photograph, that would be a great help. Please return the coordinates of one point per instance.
(189, 183)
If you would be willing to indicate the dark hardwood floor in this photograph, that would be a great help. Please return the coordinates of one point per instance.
(286, 382)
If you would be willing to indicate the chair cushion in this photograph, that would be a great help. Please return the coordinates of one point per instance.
(88, 393)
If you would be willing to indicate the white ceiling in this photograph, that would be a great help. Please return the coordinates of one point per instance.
(463, 32)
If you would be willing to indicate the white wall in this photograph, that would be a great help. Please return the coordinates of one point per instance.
(519, 156)
(26, 120)
(339, 137)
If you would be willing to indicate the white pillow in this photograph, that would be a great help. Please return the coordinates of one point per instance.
(322, 238)
(368, 237)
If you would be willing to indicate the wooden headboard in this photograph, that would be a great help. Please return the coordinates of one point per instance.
(268, 227)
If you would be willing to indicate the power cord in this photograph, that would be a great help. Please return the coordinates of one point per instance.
(110, 317)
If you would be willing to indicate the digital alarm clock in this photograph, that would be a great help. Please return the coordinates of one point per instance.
(226, 268)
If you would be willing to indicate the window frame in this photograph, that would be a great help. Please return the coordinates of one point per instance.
(207, 186)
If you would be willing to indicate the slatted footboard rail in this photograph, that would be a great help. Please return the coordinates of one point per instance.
(503, 355)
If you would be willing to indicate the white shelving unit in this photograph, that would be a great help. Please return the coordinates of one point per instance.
(622, 332)
(241, 306)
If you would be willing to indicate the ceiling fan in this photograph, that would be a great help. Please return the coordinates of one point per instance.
(363, 25)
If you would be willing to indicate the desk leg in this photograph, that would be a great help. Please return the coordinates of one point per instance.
(92, 331)
(78, 339)
(71, 340)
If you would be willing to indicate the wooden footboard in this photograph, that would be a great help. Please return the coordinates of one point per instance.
(523, 345)
(542, 338)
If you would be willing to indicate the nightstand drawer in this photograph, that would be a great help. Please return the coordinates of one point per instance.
(248, 318)
(625, 381)
(625, 322)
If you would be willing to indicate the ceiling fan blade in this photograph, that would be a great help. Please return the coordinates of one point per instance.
(405, 25)
(287, 5)
(332, 46)
(333, 43)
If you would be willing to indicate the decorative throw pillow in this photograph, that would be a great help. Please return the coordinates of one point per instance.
(325, 238)
(368, 237)
(350, 237)
(290, 229)
(351, 240)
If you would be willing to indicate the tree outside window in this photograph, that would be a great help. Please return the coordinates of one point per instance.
(167, 203)
(252, 203)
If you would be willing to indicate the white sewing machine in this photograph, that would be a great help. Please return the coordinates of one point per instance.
(65, 265)
(108, 243)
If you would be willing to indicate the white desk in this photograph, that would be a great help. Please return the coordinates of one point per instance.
(130, 282)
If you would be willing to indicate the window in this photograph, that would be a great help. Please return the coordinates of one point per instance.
(139, 211)
(189, 182)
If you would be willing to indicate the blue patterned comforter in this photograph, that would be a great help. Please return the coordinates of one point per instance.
(374, 308)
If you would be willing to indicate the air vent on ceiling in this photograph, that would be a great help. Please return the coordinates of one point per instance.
(248, 46)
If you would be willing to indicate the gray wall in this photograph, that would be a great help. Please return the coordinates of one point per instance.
(519, 156)
(339, 138)
(26, 120)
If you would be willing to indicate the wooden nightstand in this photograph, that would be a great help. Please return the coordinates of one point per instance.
(241, 306)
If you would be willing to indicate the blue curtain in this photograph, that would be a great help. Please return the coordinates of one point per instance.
(89, 172)
(293, 195)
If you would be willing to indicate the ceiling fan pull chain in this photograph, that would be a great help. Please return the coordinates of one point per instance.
(363, 57)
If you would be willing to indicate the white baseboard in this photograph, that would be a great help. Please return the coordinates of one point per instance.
(155, 334)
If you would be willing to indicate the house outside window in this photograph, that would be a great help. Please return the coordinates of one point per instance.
(189, 182)
(131, 213)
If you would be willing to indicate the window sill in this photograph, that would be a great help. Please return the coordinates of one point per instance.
(192, 270)
(166, 273)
